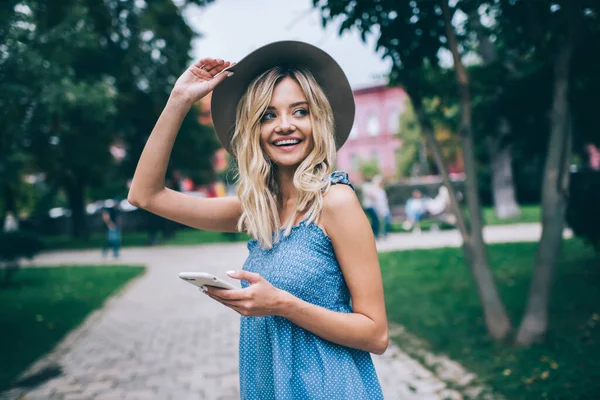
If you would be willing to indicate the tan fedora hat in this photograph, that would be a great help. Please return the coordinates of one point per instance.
(326, 71)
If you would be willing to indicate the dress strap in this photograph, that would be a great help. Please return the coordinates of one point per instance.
(340, 177)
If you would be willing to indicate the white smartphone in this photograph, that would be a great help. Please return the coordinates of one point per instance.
(205, 279)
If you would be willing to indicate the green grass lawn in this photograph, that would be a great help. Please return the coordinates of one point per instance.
(431, 293)
(41, 305)
(529, 214)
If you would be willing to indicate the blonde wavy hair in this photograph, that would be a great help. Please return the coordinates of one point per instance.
(257, 176)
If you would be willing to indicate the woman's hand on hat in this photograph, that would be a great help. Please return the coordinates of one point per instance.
(201, 78)
(257, 300)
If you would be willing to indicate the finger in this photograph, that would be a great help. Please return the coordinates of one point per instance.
(219, 67)
(212, 65)
(231, 65)
(233, 306)
(251, 277)
(227, 294)
(224, 301)
(238, 310)
(214, 82)
(201, 63)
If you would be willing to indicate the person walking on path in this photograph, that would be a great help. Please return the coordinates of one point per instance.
(382, 206)
(369, 191)
(111, 216)
(311, 302)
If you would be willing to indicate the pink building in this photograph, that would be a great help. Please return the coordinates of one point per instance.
(373, 136)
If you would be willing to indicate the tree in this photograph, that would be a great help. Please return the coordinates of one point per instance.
(147, 49)
(411, 35)
(87, 74)
(16, 103)
(563, 31)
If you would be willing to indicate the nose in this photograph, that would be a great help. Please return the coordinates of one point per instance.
(285, 125)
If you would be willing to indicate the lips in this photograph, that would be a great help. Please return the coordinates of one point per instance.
(287, 142)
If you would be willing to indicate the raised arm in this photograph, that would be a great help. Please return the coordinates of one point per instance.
(148, 189)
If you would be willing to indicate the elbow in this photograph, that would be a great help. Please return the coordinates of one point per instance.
(380, 345)
(135, 200)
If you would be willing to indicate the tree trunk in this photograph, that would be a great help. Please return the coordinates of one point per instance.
(496, 318)
(554, 201)
(503, 186)
(76, 197)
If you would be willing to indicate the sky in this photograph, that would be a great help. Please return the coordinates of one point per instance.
(233, 28)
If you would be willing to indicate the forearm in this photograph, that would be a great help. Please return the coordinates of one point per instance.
(149, 177)
(348, 329)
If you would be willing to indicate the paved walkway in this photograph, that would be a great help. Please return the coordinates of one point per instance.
(161, 339)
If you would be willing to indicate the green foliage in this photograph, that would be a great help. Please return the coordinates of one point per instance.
(369, 168)
(582, 213)
(530, 214)
(193, 150)
(410, 133)
(42, 305)
(431, 293)
(19, 244)
(410, 33)
(15, 245)
(78, 76)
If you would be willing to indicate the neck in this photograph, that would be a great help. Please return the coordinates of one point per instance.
(287, 191)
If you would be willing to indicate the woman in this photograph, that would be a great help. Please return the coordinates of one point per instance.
(313, 252)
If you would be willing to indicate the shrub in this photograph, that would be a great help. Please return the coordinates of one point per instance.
(582, 212)
(14, 246)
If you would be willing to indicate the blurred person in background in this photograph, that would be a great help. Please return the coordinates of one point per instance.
(382, 207)
(11, 223)
(369, 192)
(112, 220)
(416, 209)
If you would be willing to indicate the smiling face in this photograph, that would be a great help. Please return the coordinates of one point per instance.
(285, 128)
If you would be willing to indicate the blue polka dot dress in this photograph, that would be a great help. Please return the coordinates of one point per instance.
(280, 360)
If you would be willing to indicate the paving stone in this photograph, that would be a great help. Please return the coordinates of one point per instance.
(140, 395)
(76, 396)
(67, 388)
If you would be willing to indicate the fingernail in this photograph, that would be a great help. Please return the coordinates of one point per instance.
(230, 74)
(230, 272)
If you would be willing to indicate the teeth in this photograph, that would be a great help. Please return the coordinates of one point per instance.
(284, 142)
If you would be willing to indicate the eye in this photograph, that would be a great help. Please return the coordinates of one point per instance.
(301, 112)
(268, 116)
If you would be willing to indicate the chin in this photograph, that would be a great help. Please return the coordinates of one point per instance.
(288, 160)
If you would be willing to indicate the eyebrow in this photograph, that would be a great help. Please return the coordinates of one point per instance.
(296, 104)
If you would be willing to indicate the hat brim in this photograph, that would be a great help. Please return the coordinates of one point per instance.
(324, 68)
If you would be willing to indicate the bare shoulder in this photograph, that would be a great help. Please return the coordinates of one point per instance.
(341, 209)
(339, 196)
